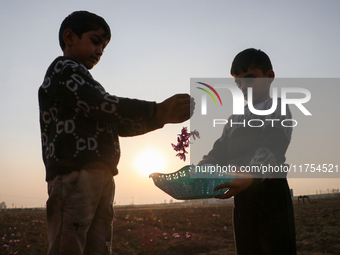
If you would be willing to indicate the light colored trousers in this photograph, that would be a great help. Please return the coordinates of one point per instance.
(80, 212)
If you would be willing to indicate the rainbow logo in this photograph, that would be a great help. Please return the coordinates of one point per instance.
(209, 93)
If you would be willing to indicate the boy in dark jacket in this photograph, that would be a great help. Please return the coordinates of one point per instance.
(263, 212)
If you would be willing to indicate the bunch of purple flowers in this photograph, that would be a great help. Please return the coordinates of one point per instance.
(183, 142)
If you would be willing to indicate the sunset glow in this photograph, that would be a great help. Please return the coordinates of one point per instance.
(149, 161)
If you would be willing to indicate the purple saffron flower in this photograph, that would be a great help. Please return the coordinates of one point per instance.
(183, 142)
(195, 134)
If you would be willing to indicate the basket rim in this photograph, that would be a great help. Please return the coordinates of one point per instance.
(166, 183)
(157, 174)
(186, 168)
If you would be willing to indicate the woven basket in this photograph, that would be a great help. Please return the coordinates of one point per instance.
(186, 183)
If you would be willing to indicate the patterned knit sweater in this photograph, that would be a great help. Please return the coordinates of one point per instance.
(80, 122)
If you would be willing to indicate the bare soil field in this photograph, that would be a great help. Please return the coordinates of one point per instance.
(177, 230)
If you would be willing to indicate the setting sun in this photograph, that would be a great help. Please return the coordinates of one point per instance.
(149, 161)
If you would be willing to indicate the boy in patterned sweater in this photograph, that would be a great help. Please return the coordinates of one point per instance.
(80, 124)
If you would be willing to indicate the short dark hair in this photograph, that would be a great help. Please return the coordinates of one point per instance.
(81, 22)
(250, 58)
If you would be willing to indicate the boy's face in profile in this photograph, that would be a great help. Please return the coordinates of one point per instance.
(256, 79)
(88, 48)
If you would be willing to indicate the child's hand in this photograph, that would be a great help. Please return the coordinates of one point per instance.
(235, 187)
(175, 109)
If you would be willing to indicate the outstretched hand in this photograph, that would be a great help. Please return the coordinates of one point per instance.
(235, 187)
(175, 109)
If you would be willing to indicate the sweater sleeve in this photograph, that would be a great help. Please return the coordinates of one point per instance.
(73, 86)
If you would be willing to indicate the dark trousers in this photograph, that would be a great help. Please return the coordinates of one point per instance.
(264, 219)
(80, 212)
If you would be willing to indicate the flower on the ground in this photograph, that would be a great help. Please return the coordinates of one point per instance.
(176, 235)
